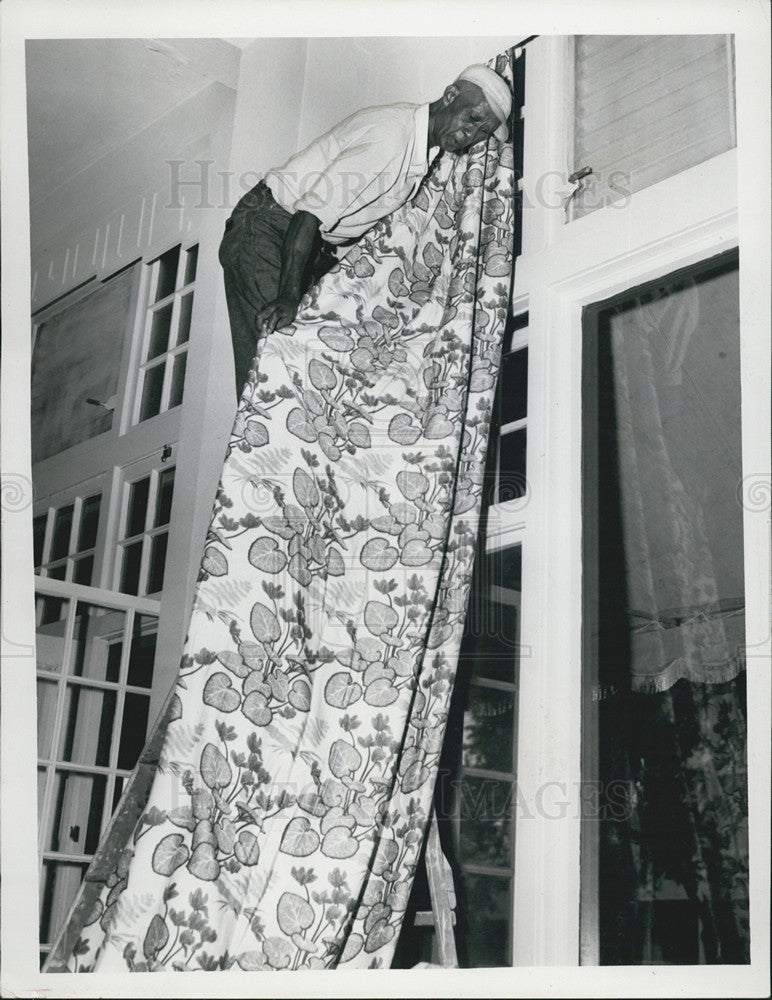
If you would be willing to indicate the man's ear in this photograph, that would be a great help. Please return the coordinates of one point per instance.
(451, 93)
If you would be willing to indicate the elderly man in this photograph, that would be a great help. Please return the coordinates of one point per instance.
(281, 235)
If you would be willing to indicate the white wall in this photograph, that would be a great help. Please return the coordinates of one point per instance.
(346, 74)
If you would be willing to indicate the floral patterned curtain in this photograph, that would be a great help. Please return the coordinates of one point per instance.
(290, 791)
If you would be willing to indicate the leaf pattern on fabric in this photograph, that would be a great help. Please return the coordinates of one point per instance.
(300, 758)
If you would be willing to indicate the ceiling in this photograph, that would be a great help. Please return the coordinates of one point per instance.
(87, 96)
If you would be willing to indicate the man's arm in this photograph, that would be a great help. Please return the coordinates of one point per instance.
(296, 251)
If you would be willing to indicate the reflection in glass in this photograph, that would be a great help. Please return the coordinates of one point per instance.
(88, 725)
(485, 822)
(167, 273)
(488, 906)
(489, 722)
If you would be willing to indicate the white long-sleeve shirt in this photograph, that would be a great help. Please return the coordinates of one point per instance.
(359, 171)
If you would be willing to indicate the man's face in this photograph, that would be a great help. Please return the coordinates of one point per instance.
(464, 119)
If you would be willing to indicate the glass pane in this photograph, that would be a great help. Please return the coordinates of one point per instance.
(137, 508)
(112, 673)
(78, 805)
(88, 725)
(491, 634)
(485, 821)
(46, 698)
(57, 572)
(155, 577)
(152, 389)
(647, 107)
(160, 325)
(511, 481)
(485, 937)
(163, 507)
(514, 386)
(664, 670)
(83, 571)
(42, 775)
(142, 656)
(61, 880)
(60, 545)
(89, 522)
(132, 561)
(191, 259)
(186, 310)
(38, 537)
(489, 729)
(133, 729)
(179, 364)
(167, 273)
(49, 636)
(49, 610)
(95, 630)
(117, 792)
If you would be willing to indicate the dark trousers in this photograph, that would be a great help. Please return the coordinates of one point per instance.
(251, 256)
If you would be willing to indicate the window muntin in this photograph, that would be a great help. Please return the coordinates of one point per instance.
(144, 532)
(163, 355)
(65, 539)
(95, 666)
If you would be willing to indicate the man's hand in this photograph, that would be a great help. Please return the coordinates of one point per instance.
(277, 314)
(296, 252)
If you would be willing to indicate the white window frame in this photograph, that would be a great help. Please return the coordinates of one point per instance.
(151, 466)
(680, 221)
(76, 495)
(128, 607)
(146, 308)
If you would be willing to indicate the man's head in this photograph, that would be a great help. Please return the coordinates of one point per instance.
(475, 106)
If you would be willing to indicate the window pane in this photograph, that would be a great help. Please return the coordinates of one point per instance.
(60, 545)
(514, 386)
(137, 510)
(117, 792)
(511, 481)
(489, 729)
(191, 259)
(646, 108)
(491, 634)
(163, 509)
(132, 562)
(485, 822)
(95, 629)
(49, 610)
(88, 725)
(179, 363)
(152, 388)
(113, 670)
(142, 656)
(84, 570)
(160, 325)
(57, 572)
(42, 775)
(79, 800)
(38, 537)
(133, 729)
(155, 579)
(89, 522)
(61, 880)
(485, 936)
(167, 273)
(186, 310)
(46, 698)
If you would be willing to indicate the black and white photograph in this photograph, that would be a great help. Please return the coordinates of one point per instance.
(385, 499)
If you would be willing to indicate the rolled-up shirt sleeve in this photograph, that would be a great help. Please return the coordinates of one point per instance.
(358, 175)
